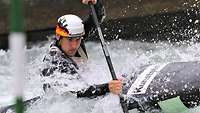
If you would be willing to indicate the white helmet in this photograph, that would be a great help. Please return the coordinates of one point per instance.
(70, 26)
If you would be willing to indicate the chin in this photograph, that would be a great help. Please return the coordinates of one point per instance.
(71, 54)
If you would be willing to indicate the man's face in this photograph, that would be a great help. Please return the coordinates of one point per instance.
(70, 45)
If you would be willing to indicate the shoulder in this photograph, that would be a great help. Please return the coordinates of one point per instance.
(54, 50)
(54, 53)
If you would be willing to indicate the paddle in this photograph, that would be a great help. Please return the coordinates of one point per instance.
(106, 54)
(26, 103)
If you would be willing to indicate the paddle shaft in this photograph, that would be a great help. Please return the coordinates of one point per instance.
(106, 54)
(103, 43)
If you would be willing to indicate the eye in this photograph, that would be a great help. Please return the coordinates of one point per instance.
(78, 39)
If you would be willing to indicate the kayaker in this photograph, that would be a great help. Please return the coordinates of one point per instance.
(68, 48)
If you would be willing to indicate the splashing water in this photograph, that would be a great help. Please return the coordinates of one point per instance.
(127, 57)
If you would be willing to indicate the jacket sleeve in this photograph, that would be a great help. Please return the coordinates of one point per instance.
(89, 24)
(94, 91)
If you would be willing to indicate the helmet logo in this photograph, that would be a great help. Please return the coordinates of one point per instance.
(63, 22)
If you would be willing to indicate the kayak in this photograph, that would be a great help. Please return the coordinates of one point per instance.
(157, 86)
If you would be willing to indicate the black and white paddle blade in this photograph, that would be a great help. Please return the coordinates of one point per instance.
(12, 107)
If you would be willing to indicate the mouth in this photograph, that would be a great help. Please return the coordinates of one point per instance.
(72, 52)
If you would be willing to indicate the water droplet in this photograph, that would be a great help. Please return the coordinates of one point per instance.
(196, 21)
(157, 92)
(166, 90)
(185, 86)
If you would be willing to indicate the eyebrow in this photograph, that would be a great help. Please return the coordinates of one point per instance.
(74, 38)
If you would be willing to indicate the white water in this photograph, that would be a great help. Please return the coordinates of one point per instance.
(127, 57)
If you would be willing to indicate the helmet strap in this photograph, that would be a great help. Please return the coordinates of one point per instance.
(59, 42)
(58, 37)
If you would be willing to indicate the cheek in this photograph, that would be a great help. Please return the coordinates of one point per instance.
(65, 45)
